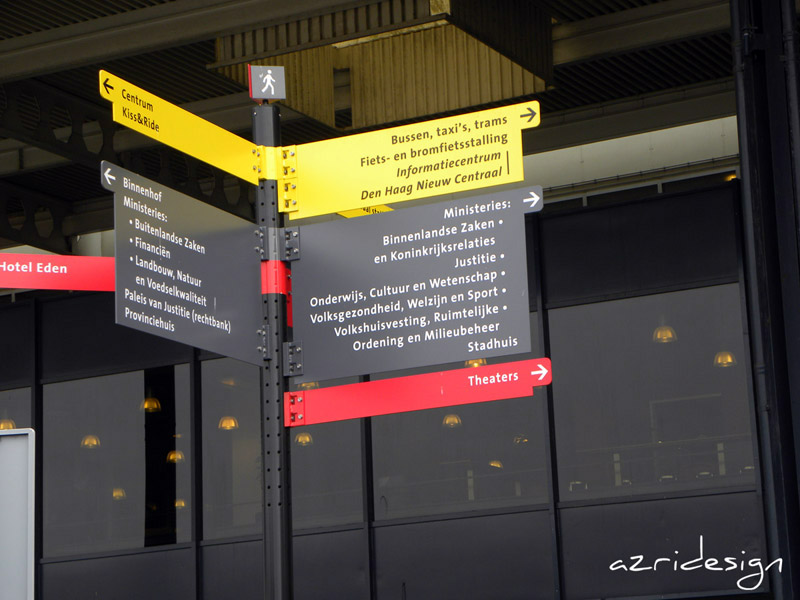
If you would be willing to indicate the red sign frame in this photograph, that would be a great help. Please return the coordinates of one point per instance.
(416, 392)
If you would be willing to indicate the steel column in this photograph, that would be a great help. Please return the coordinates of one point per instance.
(275, 442)
(767, 117)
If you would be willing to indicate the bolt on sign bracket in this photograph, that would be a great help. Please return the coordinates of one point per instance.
(285, 161)
(295, 407)
(292, 359)
(263, 335)
(290, 243)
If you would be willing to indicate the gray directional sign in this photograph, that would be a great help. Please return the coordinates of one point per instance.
(267, 83)
(184, 270)
(413, 287)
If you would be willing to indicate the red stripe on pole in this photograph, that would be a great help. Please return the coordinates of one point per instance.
(275, 279)
(416, 392)
(54, 272)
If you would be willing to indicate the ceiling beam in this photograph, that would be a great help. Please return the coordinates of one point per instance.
(637, 28)
(34, 112)
(232, 112)
(31, 218)
(144, 30)
(661, 110)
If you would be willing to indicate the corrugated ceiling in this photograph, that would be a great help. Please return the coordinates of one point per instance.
(566, 11)
(22, 17)
(177, 74)
(655, 69)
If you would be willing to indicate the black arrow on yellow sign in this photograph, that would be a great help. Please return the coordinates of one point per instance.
(530, 114)
(108, 86)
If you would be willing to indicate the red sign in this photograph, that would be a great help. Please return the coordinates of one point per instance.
(416, 392)
(55, 272)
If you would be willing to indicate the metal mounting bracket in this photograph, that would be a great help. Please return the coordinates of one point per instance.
(276, 243)
(290, 243)
(292, 359)
(263, 241)
(263, 339)
(287, 179)
(296, 407)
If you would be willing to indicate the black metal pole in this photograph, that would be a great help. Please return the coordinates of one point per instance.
(275, 442)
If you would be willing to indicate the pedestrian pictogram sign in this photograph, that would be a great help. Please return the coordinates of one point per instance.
(266, 83)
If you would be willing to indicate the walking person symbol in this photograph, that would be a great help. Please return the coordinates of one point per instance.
(269, 80)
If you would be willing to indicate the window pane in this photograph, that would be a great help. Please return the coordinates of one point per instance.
(492, 557)
(105, 347)
(232, 500)
(622, 249)
(116, 462)
(461, 458)
(15, 408)
(16, 345)
(650, 394)
(594, 537)
(326, 474)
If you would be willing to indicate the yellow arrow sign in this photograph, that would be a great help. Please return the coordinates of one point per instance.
(154, 117)
(453, 154)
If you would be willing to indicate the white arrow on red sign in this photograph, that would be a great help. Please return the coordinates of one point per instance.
(542, 372)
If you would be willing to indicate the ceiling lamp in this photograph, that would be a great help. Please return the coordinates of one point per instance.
(150, 404)
(175, 456)
(118, 494)
(496, 464)
(228, 423)
(475, 362)
(230, 382)
(90, 442)
(7, 424)
(520, 439)
(664, 335)
(724, 359)
(451, 421)
(180, 503)
(303, 438)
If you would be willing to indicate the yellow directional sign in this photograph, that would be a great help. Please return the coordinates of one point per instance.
(453, 154)
(364, 211)
(154, 117)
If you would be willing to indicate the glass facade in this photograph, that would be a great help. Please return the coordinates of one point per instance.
(232, 468)
(654, 398)
(15, 408)
(327, 470)
(649, 423)
(462, 458)
(117, 459)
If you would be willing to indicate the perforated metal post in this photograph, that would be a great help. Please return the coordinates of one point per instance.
(275, 442)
